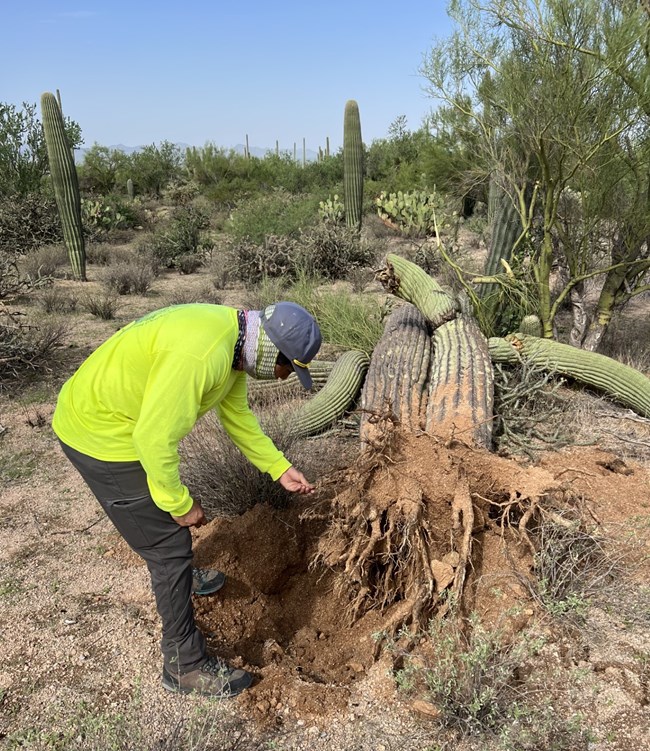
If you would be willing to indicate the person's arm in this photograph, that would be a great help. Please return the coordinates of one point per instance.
(245, 432)
(170, 406)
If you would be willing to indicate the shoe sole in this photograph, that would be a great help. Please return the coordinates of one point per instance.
(213, 588)
(169, 685)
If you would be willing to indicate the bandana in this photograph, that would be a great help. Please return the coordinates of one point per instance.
(259, 354)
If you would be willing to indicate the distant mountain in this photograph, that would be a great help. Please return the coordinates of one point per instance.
(240, 148)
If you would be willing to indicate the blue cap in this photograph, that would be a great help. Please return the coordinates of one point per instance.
(295, 333)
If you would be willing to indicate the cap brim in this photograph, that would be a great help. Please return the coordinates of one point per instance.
(303, 376)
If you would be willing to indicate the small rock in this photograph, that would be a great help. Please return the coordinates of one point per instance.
(425, 708)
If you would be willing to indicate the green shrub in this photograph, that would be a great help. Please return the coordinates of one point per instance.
(277, 213)
(332, 251)
(182, 234)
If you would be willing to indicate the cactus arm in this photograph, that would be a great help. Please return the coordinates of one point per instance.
(397, 373)
(66, 184)
(334, 399)
(352, 165)
(622, 383)
(408, 281)
(461, 390)
(266, 392)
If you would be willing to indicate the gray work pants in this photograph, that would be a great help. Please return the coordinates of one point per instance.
(122, 490)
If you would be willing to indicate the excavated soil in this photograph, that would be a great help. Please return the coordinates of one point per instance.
(287, 616)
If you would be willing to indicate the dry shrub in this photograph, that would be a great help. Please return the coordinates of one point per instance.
(185, 296)
(104, 254)
(103, 304)
(226, 484)
(130, 277)
(58, 300)
(27, 350)
(46, 262)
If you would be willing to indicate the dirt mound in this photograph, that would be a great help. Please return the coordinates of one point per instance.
(308, 587)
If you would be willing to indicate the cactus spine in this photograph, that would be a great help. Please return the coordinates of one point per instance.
(66, 184)
(334, 399)
(622, 383)
(352, 165)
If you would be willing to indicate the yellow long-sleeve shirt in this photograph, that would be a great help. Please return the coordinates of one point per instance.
(143, 390)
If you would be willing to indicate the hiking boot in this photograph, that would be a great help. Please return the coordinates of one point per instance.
(214, 678)
(206, 581)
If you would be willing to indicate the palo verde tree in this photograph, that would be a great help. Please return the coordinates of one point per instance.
(546, 85)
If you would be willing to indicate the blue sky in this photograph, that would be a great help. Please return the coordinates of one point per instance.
(197, 71)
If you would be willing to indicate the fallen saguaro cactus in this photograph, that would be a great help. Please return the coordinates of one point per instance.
(334, 399)
(461, 384)
(621, 382)
(407, 280)
(461, 378)
(397, 375)
(267, 392)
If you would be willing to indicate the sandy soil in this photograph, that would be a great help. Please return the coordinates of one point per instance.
(79, 629)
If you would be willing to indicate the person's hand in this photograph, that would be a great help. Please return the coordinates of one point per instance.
(295, 482)
(194, 517)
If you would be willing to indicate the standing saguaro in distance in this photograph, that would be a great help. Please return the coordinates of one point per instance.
(352, 165)
(66, 184)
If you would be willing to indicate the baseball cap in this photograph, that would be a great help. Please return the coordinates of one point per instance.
(295, 333)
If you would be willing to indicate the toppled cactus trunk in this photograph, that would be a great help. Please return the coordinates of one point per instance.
(461, 390)
(269, 392)
(622, 383)
(396, 379)
(334, 399)
(408, 281)
(66, 184)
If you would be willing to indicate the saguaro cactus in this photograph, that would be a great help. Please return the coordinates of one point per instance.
(398, 372)
(408, 281)
(352, 165)
(334, 398)
(461, 384)
(622, 383)
(66, 184)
